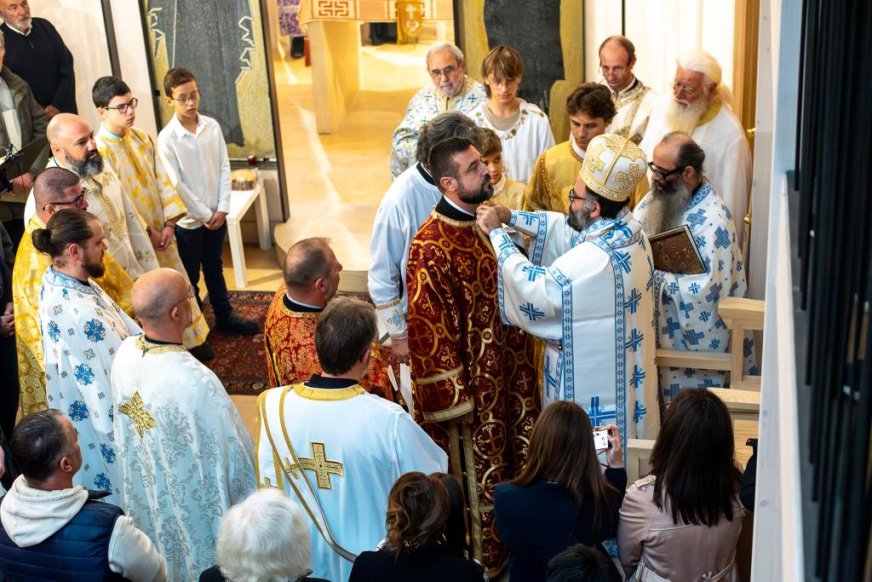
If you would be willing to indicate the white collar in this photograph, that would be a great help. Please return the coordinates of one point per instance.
(578, 151)
(19, 31)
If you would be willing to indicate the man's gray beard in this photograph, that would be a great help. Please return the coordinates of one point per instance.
(684, 118)
(579, 221)
(665, 209)
(87, 168)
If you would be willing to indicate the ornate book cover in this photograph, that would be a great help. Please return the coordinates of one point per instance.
(674, 251)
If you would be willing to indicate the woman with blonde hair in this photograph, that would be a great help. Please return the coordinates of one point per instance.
(415, 547)
(561, 497)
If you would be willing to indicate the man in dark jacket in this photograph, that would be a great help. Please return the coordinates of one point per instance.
(44, 516)
(37, 53)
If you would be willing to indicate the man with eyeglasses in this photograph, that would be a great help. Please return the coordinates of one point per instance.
(54, 189)
(687, 305)
(700, 107)
(633, 99)
(133, 155)
(587, 291)
(451, 90)
(184, 453)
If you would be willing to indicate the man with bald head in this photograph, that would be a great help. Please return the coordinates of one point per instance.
(184, 452)
(72, 146)
(700, 106)
(53, 190)
(633, 100)
(311, 279)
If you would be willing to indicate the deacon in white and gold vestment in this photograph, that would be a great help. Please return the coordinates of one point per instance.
(337, 450)
(184, 452)
(143, 178)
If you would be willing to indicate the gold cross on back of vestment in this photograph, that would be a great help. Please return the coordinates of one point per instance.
(319, 464)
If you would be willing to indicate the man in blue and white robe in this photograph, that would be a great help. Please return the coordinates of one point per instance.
(687, 305)
(587, 291)
(82, 329)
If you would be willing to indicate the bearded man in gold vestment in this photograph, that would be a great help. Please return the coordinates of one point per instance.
(54, 189)
(475, 379)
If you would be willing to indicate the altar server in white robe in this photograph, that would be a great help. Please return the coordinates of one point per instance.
(82, 329)
(73, 148)
(587, 291)
(185, 454)
(700, 106)
(336, 449)
(687, 305)
(403, 209)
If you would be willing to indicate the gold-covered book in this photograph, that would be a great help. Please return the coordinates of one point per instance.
(675, 251)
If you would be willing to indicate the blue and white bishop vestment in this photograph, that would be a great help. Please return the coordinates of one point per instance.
(82, 329)
(589, 296)
(687, 305)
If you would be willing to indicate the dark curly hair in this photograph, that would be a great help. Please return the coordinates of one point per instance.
(418, 508)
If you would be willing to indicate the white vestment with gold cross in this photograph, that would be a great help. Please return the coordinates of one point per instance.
(352, 446)
(184, 451)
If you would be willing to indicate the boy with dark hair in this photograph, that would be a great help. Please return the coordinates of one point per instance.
(131, 153)
(508, 192)
(194, 153)
(590, 110)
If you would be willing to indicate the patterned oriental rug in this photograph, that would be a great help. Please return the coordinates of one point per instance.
(240, 361)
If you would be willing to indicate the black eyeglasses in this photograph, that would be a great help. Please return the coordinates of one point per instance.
(77, 202)
(573, 197)
(125, 107)
(663, 173)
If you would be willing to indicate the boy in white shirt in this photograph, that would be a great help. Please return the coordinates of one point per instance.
(194, 153)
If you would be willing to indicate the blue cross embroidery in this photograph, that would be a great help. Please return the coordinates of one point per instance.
(632, 302)
(700, 242)
(720, 265)
(623, 261)
(598, 415)
(638, 376)
(673, 288)
(747, 347)
(530, 311)
(634, 341)
(714, 344)
(528, 217)
(671, 327)
(506, 243)
(686, 308)
(715, 293)
(550, 381)
(532, 272)
(697, 218)
(673, 390)
(705, 315)
(639, 412)
(692, 337)
(739, 266)
(694, 288)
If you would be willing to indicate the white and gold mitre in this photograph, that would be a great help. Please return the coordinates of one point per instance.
(613, 166)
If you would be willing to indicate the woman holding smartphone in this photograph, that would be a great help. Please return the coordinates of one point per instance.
(561, 497)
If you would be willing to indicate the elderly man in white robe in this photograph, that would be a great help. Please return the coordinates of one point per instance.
(700, 107)
(587, 290)
(404, 208)
(451, 90)
(82, 329)
(687, 305)
(184, 451)
(73, 148)
(337, 450)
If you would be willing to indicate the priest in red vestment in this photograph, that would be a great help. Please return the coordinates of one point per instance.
(475, 378)
(311, 274)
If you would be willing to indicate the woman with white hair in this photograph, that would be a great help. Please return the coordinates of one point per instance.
(263, 539)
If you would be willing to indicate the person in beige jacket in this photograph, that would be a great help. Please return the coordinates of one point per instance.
(682, 522)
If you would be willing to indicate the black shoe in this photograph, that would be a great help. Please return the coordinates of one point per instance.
(203, 352)
(298, 44)
(237, 325)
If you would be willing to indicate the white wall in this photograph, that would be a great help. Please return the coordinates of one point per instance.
(661, 30)
(778, 550)
(81, 25)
